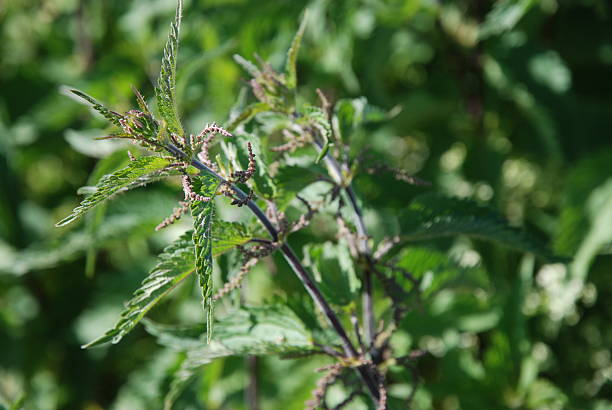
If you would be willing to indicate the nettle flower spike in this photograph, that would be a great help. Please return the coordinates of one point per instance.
(293, 142)
(204, 138)
(236, 281)
(190, 194)
(243, 176)
(209, 131)
(176, 215)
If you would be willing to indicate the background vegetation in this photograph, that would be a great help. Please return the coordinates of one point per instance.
(506, 102)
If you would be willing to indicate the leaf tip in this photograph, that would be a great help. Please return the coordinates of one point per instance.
(64, 221)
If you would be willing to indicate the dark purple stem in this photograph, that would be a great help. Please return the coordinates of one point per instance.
(368, 378)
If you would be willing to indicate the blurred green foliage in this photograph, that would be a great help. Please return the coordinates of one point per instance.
(506, 102)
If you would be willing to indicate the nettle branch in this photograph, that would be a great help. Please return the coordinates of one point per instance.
(303, 129)
(349, 350)
(166, 134)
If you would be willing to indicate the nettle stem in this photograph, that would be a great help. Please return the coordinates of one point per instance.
(368, 377)
(369, 320)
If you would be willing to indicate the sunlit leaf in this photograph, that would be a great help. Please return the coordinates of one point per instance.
(504, 16)
(110, 115)
(262, 330)
(247, 65)
(228, 235)
(203, 214)
(292, 54)
(175, 264)
(165, 91)
(133, 175)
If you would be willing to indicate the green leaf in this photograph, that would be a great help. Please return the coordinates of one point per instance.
(504, 16)
(435, 270)
(333, 270)
(248, 330)
(318, 118)
(323, 151)
(175, 264)
(227, 235)
(432, 216)
(165, 91)
(290, 180)
(290, 68)
(543, 394)
(142, 103)
(348, 113)
(273, 329)
(246, 114)
(353, 113)
(110, 115)
(203, 214)
(129, 177)
(585, 176)
(599, 210)
(247, 65)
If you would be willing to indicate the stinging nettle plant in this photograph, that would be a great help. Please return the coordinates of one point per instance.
(269, 154)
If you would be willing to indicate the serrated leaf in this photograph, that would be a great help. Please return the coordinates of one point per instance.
(227, 235)
(119, 181)
(175, 264)
(142, 103)
(433, 215)
(203, 214)
(165, 92)
(110, 115)
(447, 288)
(262, 330)
(290, 68)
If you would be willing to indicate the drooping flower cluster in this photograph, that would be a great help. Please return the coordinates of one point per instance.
(243, 176)
(176, 215)
(202, 142)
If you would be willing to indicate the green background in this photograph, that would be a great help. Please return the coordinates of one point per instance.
(507, 102)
